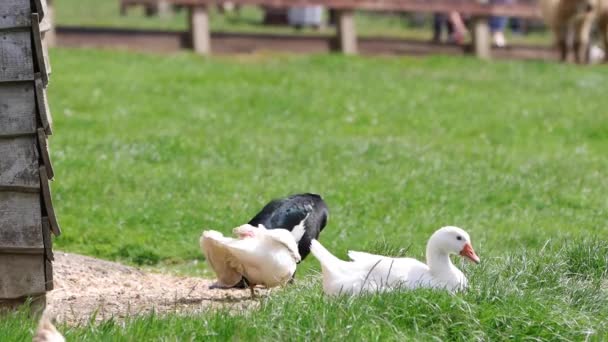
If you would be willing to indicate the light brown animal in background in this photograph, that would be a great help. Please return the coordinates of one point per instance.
(571, 17)
(47, 332)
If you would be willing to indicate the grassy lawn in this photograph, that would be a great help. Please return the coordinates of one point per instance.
(151, 150)
(78, 13)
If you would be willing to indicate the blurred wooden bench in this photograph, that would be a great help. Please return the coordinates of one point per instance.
(479, 10)
(151, 7)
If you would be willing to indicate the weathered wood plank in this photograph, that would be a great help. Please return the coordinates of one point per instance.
(17, 108)
(44, 153)
(48, 274)
(45, 52)
(42, 103)
(16, 63)
(41, 8)
(19, 162)
(20, 250)
(41, 60)
(47, 26)
(48, 202)
(48, 253)
(20, 188)
(15, 13)
(48, 241)
(22, 275)
(21, 223)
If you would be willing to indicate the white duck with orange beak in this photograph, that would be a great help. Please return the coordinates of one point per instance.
(369, 272)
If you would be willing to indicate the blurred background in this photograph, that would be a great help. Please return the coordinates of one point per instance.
(153, 25)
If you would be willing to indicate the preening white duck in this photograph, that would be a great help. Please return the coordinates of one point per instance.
(263, 256)
(287, 213)
(369, 272)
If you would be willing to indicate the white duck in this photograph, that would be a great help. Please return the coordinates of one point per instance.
(262, 256)
(368, 272)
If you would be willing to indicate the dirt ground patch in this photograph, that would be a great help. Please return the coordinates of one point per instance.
(86, 286)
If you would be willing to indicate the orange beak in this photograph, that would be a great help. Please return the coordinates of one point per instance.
(469, 252)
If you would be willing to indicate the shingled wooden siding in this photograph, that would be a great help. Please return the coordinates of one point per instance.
(27, 217)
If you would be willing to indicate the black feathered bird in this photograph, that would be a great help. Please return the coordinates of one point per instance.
(289, 211)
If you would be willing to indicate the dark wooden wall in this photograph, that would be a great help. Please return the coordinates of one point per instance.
(27, 218)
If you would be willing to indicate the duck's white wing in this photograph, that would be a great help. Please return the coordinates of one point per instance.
(391, 273)
(388, 273)
(268, 258)
(363, 256)
(285, 239)
(218, 251)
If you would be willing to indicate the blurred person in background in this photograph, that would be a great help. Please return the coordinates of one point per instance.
(456, 28)
(498, 24)
(439, 21)
(303, 16)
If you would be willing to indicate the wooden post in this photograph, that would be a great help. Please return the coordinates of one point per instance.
(482, 42)
(481, 38)
(347, 33)
(199, 29)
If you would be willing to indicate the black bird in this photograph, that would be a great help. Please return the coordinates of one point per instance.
(289, 211)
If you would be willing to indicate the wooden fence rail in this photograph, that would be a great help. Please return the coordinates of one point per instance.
(479, 10)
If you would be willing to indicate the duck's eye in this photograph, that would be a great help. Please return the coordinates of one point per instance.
(459, 238)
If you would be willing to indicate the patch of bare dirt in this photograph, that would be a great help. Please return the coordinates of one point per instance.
(87, 287)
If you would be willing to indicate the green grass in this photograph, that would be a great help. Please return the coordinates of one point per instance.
(559, 293)
(78, 13)
(150, 150)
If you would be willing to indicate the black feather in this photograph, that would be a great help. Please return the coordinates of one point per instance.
(288, 212)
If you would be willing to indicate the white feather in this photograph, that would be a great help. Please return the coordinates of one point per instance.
(263, 256)
(369, 272)
(299, 230)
